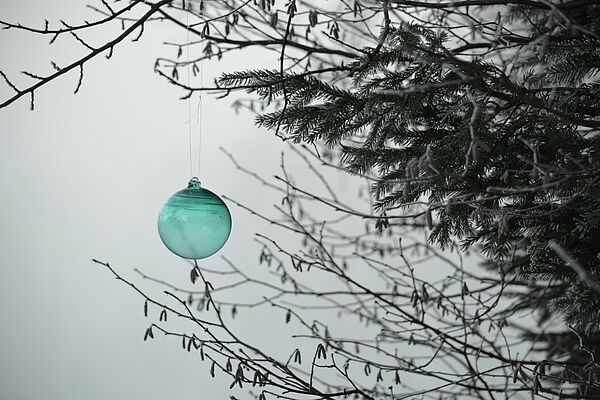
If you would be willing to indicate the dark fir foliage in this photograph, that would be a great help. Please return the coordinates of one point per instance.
(505, 155)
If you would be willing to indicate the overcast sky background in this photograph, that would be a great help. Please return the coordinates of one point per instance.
(84, 176)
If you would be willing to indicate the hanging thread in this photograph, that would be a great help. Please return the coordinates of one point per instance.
(189, 101)
(187, 5)
(199, 114)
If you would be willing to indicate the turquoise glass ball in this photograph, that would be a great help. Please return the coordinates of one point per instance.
(194, 223)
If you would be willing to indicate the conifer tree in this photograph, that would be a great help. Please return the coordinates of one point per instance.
(499, 149)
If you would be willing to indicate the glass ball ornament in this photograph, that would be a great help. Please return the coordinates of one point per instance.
(194, 223)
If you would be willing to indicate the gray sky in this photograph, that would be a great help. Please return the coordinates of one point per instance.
(83, 176)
